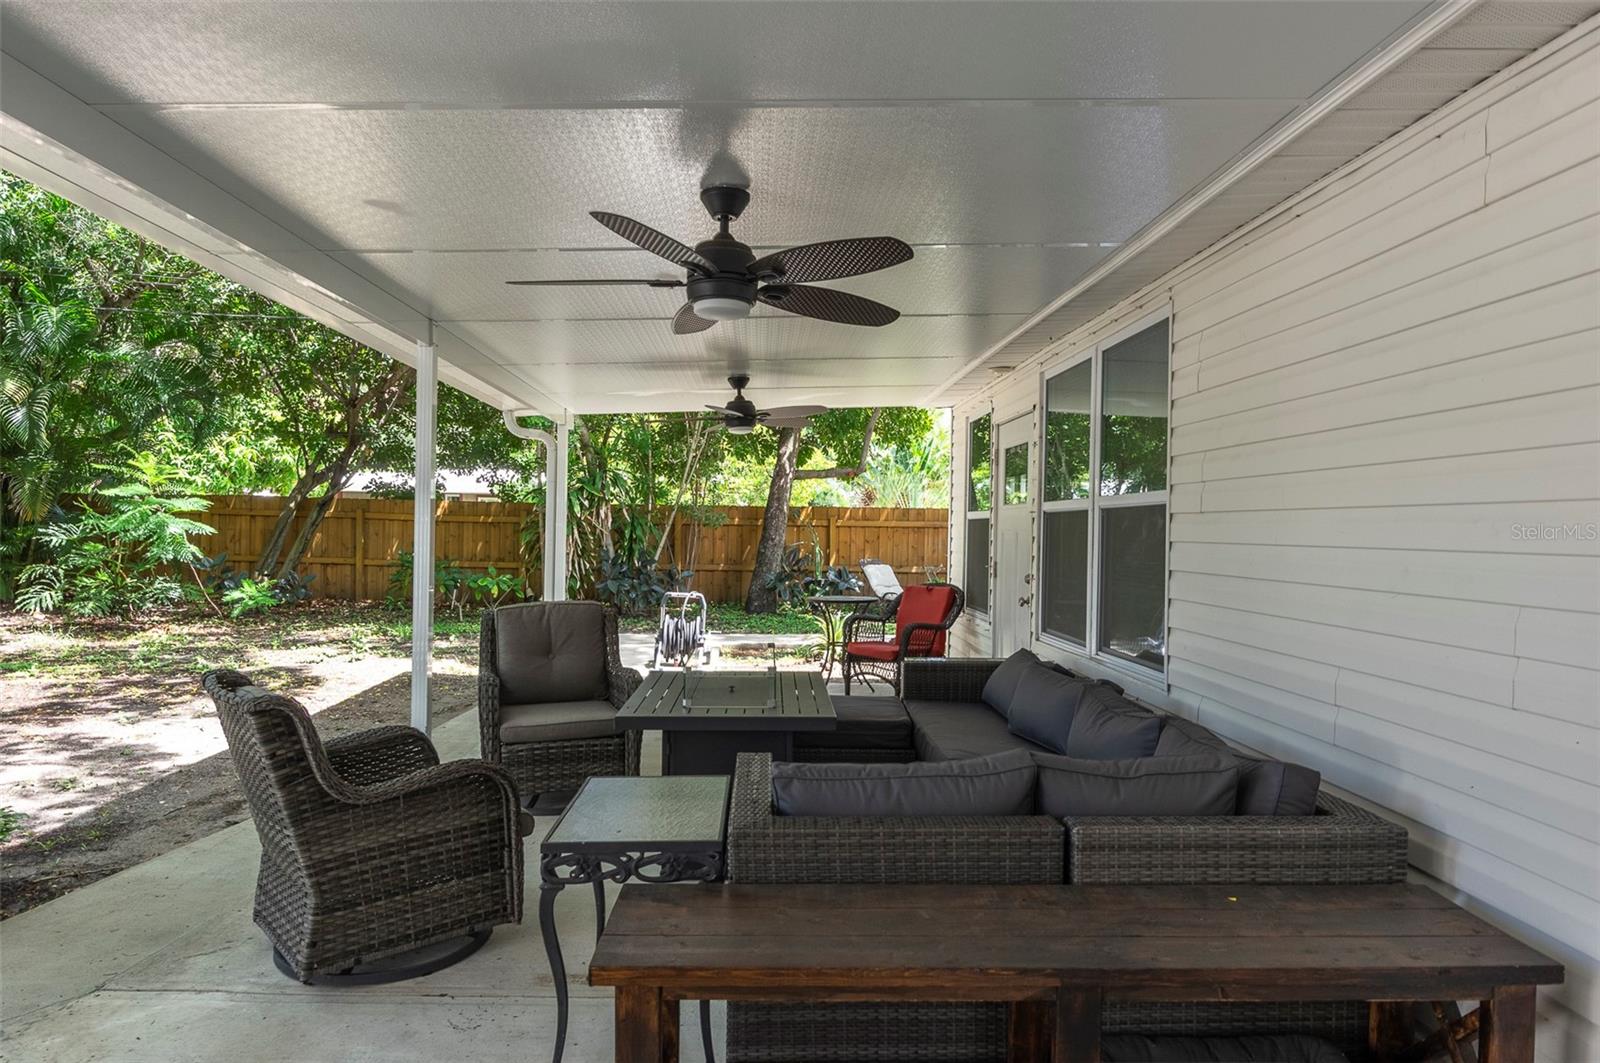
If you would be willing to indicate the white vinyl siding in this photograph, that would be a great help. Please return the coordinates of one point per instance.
(1385, 491)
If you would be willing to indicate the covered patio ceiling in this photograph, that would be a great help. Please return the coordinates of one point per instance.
(380, 165)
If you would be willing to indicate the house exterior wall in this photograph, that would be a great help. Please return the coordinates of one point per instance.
(1384, 470)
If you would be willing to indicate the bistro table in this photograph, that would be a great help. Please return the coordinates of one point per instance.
(1055, 953)
(650, 829)
(707, 718)
(833, 610)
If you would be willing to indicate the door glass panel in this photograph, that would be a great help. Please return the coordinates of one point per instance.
(1016, 474)
(1065, 609)
(1133, 548)
(978, 450)
(1066, 433)
(1133, 414)
(977, 588)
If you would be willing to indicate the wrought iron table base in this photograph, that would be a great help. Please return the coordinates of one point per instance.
(558, 870)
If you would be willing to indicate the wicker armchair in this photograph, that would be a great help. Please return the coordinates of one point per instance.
(370, 848)
(919, 619)
(550, 680)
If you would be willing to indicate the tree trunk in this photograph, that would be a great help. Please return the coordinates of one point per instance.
(761, 598)
(319, 509)
(268, 560)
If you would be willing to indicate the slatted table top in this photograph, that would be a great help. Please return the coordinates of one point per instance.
(730, 701)
(1145, 942)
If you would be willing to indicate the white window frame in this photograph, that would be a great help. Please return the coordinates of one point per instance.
(968, 514)
(1096, 503)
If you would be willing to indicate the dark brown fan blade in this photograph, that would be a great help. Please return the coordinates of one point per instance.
(832, 259)
(657, 243)
(827, 304)
(724, 411)
(654, 282)
(686, 321)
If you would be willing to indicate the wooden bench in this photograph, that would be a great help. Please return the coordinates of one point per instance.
(1054, 953)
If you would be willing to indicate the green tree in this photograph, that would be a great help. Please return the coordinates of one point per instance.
(844, 438)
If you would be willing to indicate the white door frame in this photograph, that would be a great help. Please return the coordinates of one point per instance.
(1011, 592)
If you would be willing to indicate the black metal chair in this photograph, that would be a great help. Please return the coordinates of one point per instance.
(370, 848)
(550, 682)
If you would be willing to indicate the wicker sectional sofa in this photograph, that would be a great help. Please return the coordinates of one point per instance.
(1340, 843)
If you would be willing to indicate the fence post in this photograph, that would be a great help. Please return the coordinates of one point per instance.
(360, 582)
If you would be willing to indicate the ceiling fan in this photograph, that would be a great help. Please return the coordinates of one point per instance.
(725, 279)
(740, 416)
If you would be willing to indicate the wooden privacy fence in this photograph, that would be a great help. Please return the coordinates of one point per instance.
(354, 550)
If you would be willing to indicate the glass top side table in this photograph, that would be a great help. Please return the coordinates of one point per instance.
(645, 829)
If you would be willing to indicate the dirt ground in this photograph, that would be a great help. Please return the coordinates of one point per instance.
(110, 754)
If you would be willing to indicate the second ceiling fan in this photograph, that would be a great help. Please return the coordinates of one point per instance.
(725, 279)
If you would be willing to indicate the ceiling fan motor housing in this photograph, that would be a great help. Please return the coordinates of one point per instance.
(730, 292)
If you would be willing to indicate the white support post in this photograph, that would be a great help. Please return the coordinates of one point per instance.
(555, 551)
(422, 526)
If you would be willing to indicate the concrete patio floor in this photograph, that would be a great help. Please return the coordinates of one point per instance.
(162, 963)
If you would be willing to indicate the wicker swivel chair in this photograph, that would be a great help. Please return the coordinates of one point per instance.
(550, 682)
(370, 848)
(920, 617)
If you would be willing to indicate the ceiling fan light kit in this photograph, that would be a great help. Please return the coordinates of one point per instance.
(724, 279)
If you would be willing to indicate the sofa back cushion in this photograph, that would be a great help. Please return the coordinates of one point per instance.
(1277, 788)
(1107, 726)
(925, 605)
(1000, 689)
(998, 785)
(1204, 785)
(551, 651)
(1043, 707)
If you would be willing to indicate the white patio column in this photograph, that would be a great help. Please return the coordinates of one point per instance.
(555, 550)
(422, 531)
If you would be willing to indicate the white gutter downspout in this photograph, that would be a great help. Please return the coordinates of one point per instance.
(555, 498)
(422, 516)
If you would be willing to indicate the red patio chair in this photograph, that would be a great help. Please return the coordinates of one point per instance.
(919, 622)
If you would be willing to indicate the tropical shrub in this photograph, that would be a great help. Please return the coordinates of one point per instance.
(802, 574)
(249, 595)
(120, 553)
(634, 584)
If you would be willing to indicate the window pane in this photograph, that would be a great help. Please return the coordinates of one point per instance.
(1133, 415)
(1016, 472)
(1066, 574)
(978, 465)
(977, 587)
(1133, 615)
(1066, 433)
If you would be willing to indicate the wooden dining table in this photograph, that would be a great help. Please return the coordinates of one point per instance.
(1055, 954)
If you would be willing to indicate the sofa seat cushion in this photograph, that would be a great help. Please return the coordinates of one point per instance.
(1001, 785)
(873, 651)
(864, 723)
(1204, 785)
(1248, 1048)
(956, 730)
(557, 721)
(550, 652)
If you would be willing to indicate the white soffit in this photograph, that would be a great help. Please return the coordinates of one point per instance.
(1471, 42)
(382, 164)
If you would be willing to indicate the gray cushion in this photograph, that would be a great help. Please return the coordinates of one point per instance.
(956, 730)
(1180, 737)
(1249, 1048)
(550, 651)
(1276, 788)
(1001, 686)
(1044, 705)
(1107, 726)
(864, 723)
(555, 721)
(1001, 785)
(1148, 786)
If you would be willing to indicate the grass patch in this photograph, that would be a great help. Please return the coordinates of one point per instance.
(729, 618)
